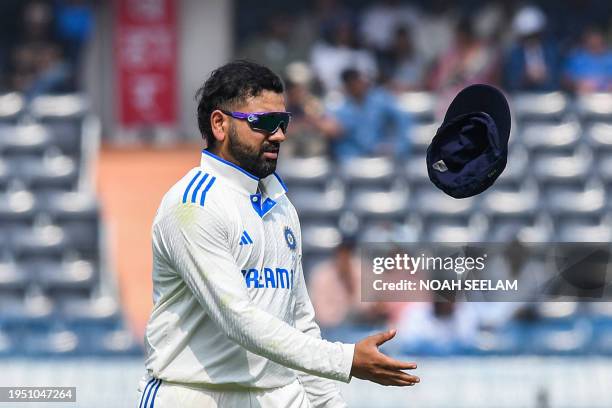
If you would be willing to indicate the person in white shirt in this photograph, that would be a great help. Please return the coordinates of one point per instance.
(232, 324)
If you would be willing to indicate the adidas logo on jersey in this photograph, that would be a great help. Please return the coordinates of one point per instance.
(198, 186)
(246, 239)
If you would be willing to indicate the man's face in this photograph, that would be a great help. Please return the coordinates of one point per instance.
(254, 151)
(595, 42)
(358, 87)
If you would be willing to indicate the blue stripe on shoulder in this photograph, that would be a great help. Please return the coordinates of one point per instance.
(197, 188)
(189, 185)
(208, 186)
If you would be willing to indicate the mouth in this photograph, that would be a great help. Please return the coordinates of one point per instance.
(271, 155)
(271, 152)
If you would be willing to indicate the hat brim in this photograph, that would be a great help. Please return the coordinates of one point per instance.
(482, 98)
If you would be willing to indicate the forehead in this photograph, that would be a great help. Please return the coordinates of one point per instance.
(266, 101)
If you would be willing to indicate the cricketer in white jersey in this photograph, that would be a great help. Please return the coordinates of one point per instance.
(232, 324)
(231, 307)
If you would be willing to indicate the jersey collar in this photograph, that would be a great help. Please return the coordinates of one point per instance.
(272, 185)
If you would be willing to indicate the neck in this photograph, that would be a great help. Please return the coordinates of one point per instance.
(219, 151)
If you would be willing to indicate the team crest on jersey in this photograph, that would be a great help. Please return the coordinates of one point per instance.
(290, 238)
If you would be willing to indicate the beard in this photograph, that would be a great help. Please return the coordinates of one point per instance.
(250, 159)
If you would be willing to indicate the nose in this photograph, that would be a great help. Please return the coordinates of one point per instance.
(278, 136)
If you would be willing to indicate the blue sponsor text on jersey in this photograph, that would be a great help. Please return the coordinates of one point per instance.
(268, 278)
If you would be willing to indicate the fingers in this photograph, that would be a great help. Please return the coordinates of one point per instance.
(396, 378)
(371, 364)
(401, 376)
(383, 337)
(391, 371)
(398, 365)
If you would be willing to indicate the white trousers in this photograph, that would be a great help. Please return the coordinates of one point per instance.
(155, 393)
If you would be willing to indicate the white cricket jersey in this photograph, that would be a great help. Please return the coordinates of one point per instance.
(231, 308)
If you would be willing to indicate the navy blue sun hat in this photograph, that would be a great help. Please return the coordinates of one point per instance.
(470, 148)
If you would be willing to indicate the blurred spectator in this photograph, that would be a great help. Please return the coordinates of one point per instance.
(309, 23)
(570, 18)
(308, 116)
(75, 22)
(533, 62)
(402, 68)
(469, 61)
(589, 68)
(380, 22)
(272, 48)
(438, 327)
(438, 323)
(516, 261)
(339, 51)
(335, 291)
(10, 10)
(433, 34)
(37, 64)
(369, 121)
(492, 20)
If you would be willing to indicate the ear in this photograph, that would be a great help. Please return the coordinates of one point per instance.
(219, 124)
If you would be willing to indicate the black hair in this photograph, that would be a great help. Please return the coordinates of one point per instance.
(349, 75)
(230, 85)
(465, 26)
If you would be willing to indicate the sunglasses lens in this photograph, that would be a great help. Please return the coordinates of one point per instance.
(270, 122)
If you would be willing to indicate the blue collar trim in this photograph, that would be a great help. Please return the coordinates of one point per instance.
(280, 181)
(214, 156)
(262, 208)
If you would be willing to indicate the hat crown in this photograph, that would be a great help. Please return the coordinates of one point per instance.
(471, 145)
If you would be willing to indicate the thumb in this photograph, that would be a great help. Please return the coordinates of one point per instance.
(383, 337)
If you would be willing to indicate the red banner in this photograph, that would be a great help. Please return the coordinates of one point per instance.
(146, 58)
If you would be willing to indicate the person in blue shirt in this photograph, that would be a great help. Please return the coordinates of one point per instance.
(368, 121)
(589, 68)
(532, 63)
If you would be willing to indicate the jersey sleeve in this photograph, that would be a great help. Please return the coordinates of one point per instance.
(321, 391)
(196, 242)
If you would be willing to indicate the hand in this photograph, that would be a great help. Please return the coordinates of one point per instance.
(372, 365)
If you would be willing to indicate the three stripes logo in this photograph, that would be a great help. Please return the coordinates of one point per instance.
(152, 385)
(246, 239)
(200, 178)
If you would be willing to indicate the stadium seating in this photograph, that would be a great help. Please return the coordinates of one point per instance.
(556, 187)
(314, 204)
(12, 106)
(420, 105)
(559, 168)
(596, 106)
(54, 293)
(599, 136)
(420, 136)
(309, 172)
(550, 106)
(546, 137)
(516, 171)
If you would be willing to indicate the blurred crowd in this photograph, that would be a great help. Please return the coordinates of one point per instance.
(447, 321)
(344, 66)
(41, 45)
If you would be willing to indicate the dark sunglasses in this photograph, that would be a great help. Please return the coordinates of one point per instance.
(268, 122)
